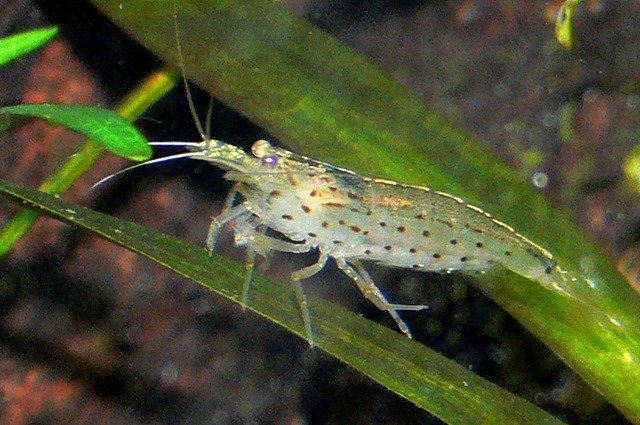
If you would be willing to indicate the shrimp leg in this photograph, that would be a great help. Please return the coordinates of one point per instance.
(365, 283)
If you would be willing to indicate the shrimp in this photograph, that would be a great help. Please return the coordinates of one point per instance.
(350, 219)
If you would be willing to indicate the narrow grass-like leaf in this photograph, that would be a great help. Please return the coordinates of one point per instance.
(106, 127)
(425, 377)
(14, 46)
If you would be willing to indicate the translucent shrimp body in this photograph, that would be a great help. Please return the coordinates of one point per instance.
(349, 218)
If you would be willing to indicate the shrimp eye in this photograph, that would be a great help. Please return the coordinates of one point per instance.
(260, 149)
(269, 160)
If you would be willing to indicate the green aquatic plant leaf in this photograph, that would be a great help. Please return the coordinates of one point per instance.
(104, 126)
(130, 107)
(14, 46)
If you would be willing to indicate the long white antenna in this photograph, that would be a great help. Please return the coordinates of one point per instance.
(144, 164)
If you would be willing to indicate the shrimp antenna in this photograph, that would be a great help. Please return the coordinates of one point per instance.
(144, 164)
(204, 133)
(192, 108)
(152, 161)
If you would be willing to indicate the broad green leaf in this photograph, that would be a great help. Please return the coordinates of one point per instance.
(14, 46)
(130, 107)
(327, 101)
(104, 126)
(425, 377)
